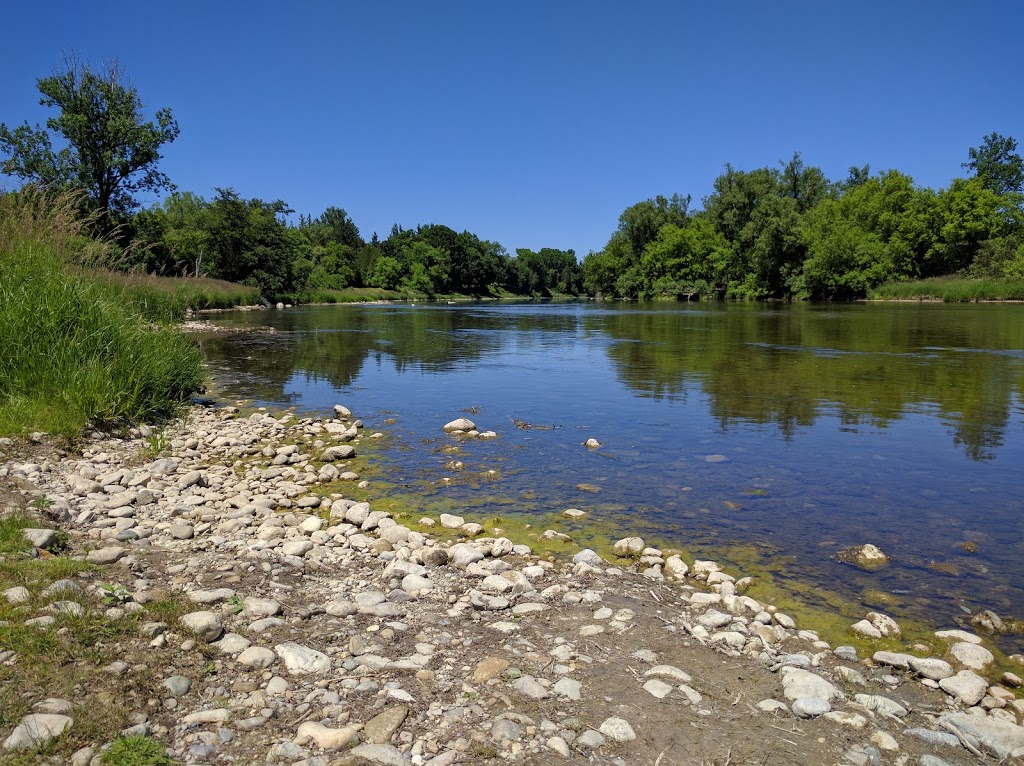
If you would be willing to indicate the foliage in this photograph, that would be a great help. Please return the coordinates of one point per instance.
(789, 233)
(135, 751)
(110, 150)
(73, 352)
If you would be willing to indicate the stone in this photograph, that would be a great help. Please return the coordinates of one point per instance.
(382, 726)
(675, 568)
(844, 718)
(210, 596)
(301, 660)
(588, 557)
(880, 704)
(590, 739)
(181, 531)
(658, 689)
(966, 686)
(388, 755)
(560, 746)
(990, 735)
(107, 555)
(338, 452)
(205, 625)
(504, 730)
(866, 556)
(971, 655)
(810, 707)
(459, 424)
(931, 667)
(568, 687)
(451, 521)
(257, 657)
(37, 729)
(177, 686)
(617, 730)
(798, 683)
(489, 668)
(885, 624)
(885, 741)
(530, 687)
(865, 628)
(958, 635)
(325, 737)
(893, 659)
(41, 538)
(670, 671)
(629, 546)
(463, 554)
(17, 595)
(258, 608)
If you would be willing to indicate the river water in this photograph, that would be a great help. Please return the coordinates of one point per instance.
(770, 437)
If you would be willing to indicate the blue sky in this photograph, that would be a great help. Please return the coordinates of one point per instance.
(535, 123)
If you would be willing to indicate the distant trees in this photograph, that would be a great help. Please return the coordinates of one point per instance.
(106, 146)
(789, 232)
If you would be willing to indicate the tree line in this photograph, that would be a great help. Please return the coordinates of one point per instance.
(772, 232)
(789, 232)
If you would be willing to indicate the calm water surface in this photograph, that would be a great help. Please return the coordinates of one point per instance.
(771, 437)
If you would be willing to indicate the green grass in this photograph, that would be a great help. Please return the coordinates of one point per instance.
(135, 751)
(72, 349)
(166, 299)
(348, 295)
(951, 290)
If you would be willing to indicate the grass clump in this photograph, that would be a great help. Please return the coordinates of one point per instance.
(135, 751)
(166, 299)
(952, 290)
(71, 350)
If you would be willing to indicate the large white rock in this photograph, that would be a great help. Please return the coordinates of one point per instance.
(460, 424)
(966, 686)
(993, 735)
(37, 729)
(451, 521)
(617, 729)
(301, 660)
(972, 655)
(325, 737)
(798, 683)
(206, 625)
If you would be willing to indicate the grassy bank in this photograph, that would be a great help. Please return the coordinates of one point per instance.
(166, 299)
(75, 349)
(951, 290)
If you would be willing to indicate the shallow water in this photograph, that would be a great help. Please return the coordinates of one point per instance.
(770, 436)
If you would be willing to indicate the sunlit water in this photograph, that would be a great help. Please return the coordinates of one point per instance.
(771, 436)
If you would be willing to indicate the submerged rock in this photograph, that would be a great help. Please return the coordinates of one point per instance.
(865, 556)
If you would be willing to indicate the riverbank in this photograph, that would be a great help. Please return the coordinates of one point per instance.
(951, 290)
(231, 593)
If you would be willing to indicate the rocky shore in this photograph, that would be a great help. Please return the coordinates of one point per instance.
(270, 619)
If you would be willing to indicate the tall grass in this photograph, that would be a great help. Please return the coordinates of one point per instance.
(73, 350)
(166, 299)
(951, 290)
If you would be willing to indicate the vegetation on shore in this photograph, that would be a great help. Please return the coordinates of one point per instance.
(78, 350)
(951, 290)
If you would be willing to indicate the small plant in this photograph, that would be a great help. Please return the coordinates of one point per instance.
(156, 444)
(135, 751)
(114, 595)
(235, 604)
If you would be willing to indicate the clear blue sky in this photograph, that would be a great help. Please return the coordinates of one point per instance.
(535, 123)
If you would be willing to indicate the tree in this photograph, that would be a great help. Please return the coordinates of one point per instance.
(997, 164)
(110, 150)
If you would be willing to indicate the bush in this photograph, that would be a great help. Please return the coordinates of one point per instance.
(72, 350)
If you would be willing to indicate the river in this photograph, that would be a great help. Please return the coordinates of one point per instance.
(767, 436)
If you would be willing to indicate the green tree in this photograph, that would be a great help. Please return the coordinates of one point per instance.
(110, 150)
(997, 164)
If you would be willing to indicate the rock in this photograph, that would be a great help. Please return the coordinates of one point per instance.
(530, 687)
(568, 687)
(884, 705)
(338, 452)
(617, 730)
(669, 671)
(592, 443)
(463, 554)
(629, 546)
(893, 659)
(574, 513)
(560, 746)
(865, 628)
(865, 556)
(210, 596)
(382, 726)
(798, 683)
(931, 667)
(504, 730)
(933, 760)
(41, 538)
(470, 529)
(107, 555)
(958, 635)
(934, 738)
(459, 424)
(658, 689)
(17, 595)
(451, 521)
(991, 735)
(325, 737)
(676, 568)
(205, 625)
(489, 668)
(383, 754)
(590, 739)
(301, 660)
(37, 729)
(181, 531)
(885, 624)
(972, 655)
(258, 608)
(342, 412)
(843, 718)
(966, 686)
(257, 657)
(589, 557)
(177, 686)
(885, 741)
(810, 707)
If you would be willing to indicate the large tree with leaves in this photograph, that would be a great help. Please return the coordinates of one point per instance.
(105, 145)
